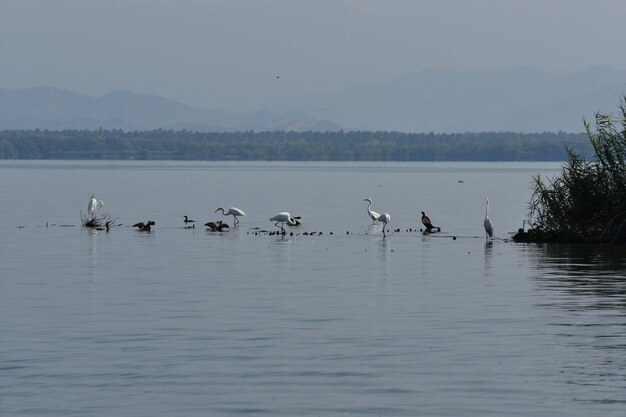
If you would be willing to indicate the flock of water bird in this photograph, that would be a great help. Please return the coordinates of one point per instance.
(279, 219)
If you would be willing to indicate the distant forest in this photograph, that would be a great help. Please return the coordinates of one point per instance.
(288, 146)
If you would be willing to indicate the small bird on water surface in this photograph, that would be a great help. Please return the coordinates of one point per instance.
(188, 220)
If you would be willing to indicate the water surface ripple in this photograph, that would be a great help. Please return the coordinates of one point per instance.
(194, 323)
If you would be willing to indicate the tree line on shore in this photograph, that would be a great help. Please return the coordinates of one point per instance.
(289, 146)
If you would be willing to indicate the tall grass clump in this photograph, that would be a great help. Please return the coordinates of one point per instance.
(587, 201)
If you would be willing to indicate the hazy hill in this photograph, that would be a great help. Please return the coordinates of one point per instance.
(443, 101)
(521, 100)
(54, 109)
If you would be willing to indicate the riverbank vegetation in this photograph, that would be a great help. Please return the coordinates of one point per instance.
(587, 201)
(288, 146)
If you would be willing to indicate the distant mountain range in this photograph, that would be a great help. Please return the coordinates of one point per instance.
(55, 109)
(443, 101)
(446, 101)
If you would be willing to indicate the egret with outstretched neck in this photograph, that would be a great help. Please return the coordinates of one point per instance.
(232, 211)
(487, 223)
(284, 217)
(373, 215)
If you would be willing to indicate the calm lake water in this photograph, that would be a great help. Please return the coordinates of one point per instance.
(185, 322)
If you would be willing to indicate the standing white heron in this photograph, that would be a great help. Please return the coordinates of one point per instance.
(373, 215)
(284, 217)
(93, 206)
(232, 211)
(487, 223)
(384, 218)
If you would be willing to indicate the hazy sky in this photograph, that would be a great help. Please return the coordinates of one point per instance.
(227, 53)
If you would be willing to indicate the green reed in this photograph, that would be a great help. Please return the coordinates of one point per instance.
(587, 201)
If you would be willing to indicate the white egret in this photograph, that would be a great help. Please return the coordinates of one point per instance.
(284, 217)
(384, 219)
(144, 227)
(374, 216)
(232, 211)
(93, 206)
(429, 225)
(487, 223)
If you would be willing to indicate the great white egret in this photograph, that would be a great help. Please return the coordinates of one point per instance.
(188, 220)
(232, 211)
(427, 223)
(284, 217)
(487, 223)
(93, 205)
(384, 219)
(374, 216)
(144, 227)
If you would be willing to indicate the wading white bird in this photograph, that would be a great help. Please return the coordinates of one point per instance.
(487, 223)
(232, 211)
(284, 217)
(373, 215)
(384, 218)
(93, 206)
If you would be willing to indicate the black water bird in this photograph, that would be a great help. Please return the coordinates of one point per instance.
(217, 226)
(188, 220)
(144, 227)
(429, 225)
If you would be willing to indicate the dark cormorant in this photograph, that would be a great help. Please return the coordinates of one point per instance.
(144, 227)
(429, 225)
(217, 226)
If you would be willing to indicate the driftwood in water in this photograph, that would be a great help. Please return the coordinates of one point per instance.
(97, 222)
